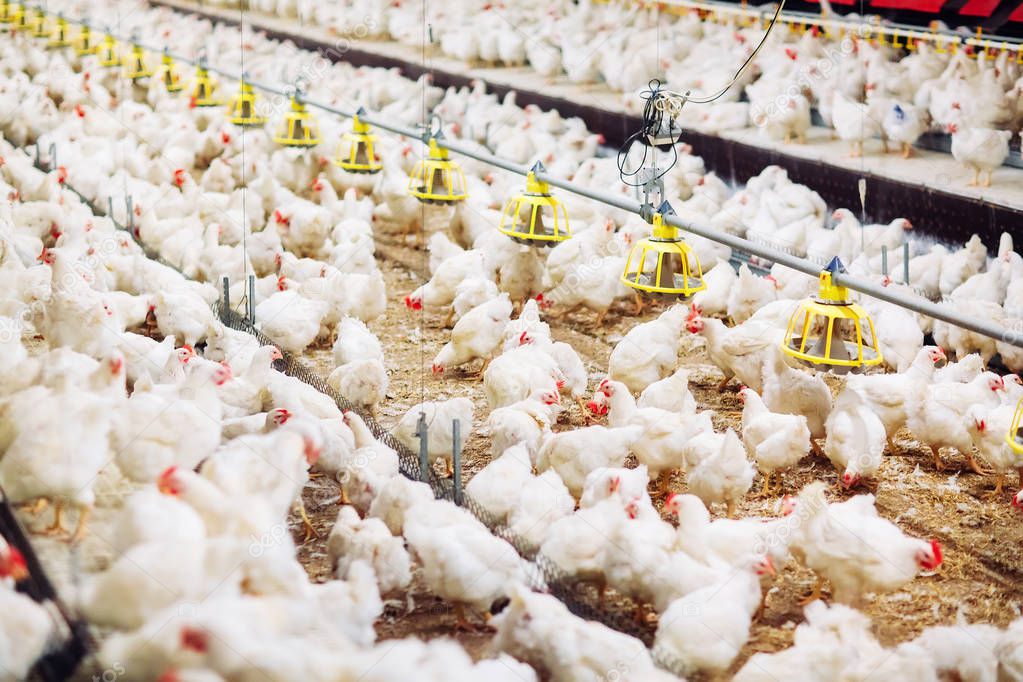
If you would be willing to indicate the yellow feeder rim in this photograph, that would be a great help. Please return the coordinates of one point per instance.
(59, 37)
(357, 151)
(169, 74)
(135, 66)
(1014, 438)
(204, 88)
(535, 216)
(437, 179)
(83, 43)
(299, 128)
(108, 57)
(37, 25)
(241, 110)
(665, 245)
(833, 305)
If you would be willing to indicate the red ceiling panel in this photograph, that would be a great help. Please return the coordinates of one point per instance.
(914, 5)
(1017, 15)
(979, 8)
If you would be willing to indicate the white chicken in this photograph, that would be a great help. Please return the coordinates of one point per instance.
(776, 441)
(438, 417)
(856, 438)
(724, 476)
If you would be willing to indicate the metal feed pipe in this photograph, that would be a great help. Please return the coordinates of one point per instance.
(919, 305)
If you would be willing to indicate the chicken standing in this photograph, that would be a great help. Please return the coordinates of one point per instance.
(775, 441)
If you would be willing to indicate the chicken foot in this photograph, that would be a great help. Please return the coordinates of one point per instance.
(818, 588)
(35, 508)
(640, 304)
(907, 150)
(724, 384)
(976, 178)
(57, 527)
(975, 467)
(766, 490)
(938, 464)
(462, 622)
(999, 484)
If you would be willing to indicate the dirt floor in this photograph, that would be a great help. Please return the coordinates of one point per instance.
(981, 578)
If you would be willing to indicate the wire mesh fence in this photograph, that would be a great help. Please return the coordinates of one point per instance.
(584, 599)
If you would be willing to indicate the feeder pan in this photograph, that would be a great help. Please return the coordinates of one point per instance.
(8, 12)
(169, 74)
(20, 19)
(356, 152)
(59, 37)
(299, 128)
(663, 263)
(1014, 438)
(241, 110)
(136, 67)
(437, 179)
(204, 88)
(108, 58)
(83, 43)
(836, 334)
(37, 25)
(535, 217)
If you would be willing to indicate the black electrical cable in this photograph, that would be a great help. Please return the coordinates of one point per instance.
(654, 118)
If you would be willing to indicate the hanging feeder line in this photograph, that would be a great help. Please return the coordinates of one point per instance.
(807, 267)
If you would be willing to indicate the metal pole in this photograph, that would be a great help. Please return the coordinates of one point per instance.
(422, 432)
(905, 263)
(924, 307)
(252, 300)
(227, 299)
(884, 260)
(456, 458)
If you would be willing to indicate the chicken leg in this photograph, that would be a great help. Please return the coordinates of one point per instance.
(938, 464)
(310, 532)
(724, 383)
(730, 508)
(999, 484)
(974, 466)
(976, 178)
(461, 621)
(986, 182)
(56, 528)
(766, 490)
(907, 150)
(600, 318)
(83, 521)
(640, 304)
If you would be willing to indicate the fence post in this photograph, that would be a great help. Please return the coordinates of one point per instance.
(422, 432)
(129, 205)
(227, 300)
(456, 458)
(905, 262)
(252, 300)
(884, 260)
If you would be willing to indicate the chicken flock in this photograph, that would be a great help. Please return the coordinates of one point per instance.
(862, 89)
(117, 369)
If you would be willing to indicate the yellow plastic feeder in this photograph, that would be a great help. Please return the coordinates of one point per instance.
(84, 44)
(356, 153)
(37, 25)
(169, 74)
(135, 67)
(1014, 437)
(108, 57)
(8, 11)
(437, 179)
(20, 19)
(663, 263)
(204, 88)
(535, 217)
(241, 110)
(836, 334)
(59, 37)
(299, 128)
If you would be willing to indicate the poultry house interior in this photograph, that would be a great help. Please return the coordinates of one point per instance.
(344, 340)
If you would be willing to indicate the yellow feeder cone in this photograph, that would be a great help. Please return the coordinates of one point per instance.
(37, 25)
(298, 128)
(59, 37)
(535, 217)
(663, 263)
(108, 57)
(831, 332)
(169, 74)
(8, 12)
(357, 151)
(241, 110)
(204, 88)
(135, 67)
(84, 44)
(1014, 438)
(437, 179)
